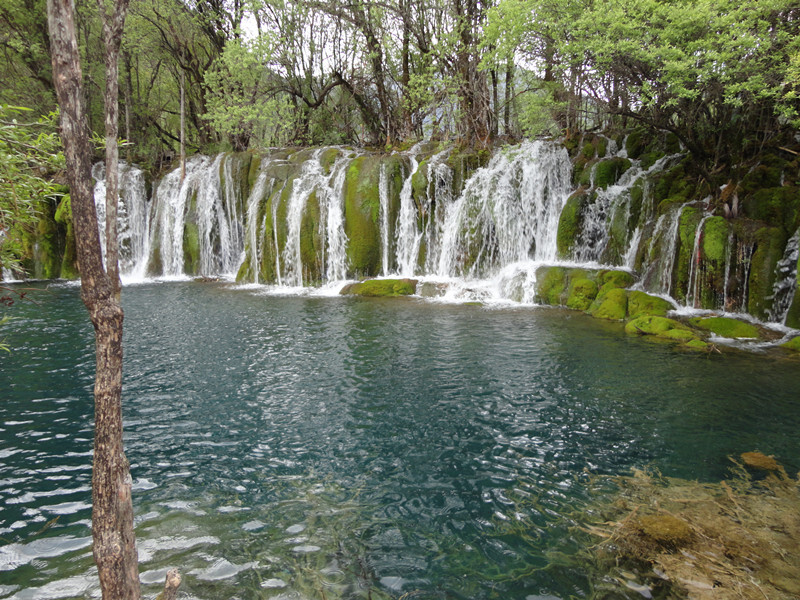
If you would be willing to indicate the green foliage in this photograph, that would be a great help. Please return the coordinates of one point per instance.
(29, 153)
(241, 100)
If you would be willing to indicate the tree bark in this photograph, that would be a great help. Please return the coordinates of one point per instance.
(113, 25)
(112, 509)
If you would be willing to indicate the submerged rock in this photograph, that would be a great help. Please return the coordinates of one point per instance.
(381, 288)
(759, 461)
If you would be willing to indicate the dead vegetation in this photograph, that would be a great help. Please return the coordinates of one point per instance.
(736, 539)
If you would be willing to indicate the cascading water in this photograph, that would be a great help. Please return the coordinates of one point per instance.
(439, 195)
(407, 234)
(196, 219)
(508, 212)
(132, 215)
(785, 281)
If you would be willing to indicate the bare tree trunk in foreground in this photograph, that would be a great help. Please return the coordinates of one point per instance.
(112, 509)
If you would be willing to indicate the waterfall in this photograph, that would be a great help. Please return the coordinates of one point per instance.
(785, 286)
(132, 215)
(253, 250)
(407, 236)
(439, 195)
(508, 212)
(694, 264)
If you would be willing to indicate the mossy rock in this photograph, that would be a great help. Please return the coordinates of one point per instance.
(648, 159)
(793, 344)
(327, 158)
(776, 206)
(660, 327)
(611, 305)
(726, 327)
(716, 231)
(551, 285)
(582, 292)
(615, 279)
(570, 222)
(770, 242)
(687, 230)
(641, 303)
(760, 461)
(69, 260)
(635, 144)
(793, 316)
(608, 171)
(761, 177)
(191, 249)
(666, 530)
(361, 210)
(375, 288)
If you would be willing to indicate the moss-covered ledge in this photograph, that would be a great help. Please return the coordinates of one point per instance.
(377, 288)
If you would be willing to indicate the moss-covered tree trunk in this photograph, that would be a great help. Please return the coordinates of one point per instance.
(112, 509)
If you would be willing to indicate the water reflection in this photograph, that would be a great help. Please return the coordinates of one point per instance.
(290, 447)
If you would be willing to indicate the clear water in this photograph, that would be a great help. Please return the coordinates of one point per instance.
(301, 447)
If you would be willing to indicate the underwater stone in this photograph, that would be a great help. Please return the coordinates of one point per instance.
(381, 288)
(762, 462)
(666, 530)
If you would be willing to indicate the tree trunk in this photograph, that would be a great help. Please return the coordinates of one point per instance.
(112, 510)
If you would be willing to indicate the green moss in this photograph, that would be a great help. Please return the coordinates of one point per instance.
(608, 171)
(687, 229)
(640, 304)
(362, 206)
(582, 292)
(649, 159)
(793, 316)
(793, 344)
(191, 249)
(726, 327)
(777, 206)
(715, 239)
(611, 305)
(311, 243)
(697, 344)
(770, 242)
(660, 327)
(635, 144)
(615, 279)
(588, 150)
(570, 222)
(375, 288)
(551, 285)
(419, 182)
(69, 260)
(760, 177)
(327, 159)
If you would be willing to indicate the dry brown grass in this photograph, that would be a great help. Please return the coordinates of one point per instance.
(736, 539)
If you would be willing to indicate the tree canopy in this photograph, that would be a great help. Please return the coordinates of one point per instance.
(723, 76)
